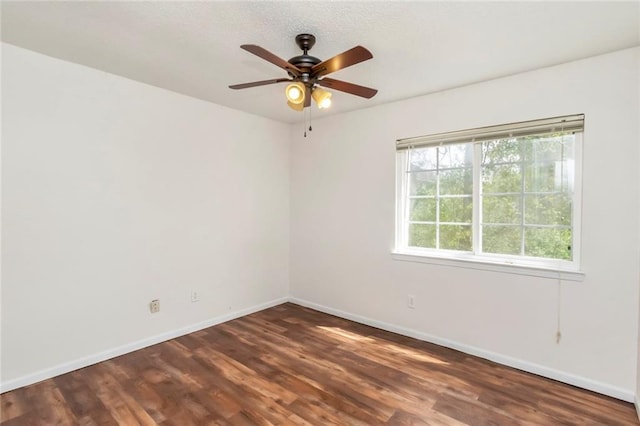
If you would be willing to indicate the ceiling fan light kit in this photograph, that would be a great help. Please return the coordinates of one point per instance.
(307, 73)
(297, 107)
(322, 97)
(295, 93)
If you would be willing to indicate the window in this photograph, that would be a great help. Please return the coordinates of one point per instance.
(499, 194)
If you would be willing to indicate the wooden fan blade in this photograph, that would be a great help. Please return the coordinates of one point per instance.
(270, 57)
(343, 86)
(258, 83)
(307, 96)
(343, 60)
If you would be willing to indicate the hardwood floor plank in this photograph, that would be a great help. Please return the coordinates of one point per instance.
(293, 365)
(47, 404)
(319, 413)
(81, 399)
(13, 405)
(469, 411)
(219, 402)
(401, 418)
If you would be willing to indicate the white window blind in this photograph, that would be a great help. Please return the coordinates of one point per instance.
(567, 123)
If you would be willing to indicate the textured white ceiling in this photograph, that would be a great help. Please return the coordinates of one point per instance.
(418, 47)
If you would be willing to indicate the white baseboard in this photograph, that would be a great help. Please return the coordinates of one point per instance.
(540, 370)
(134, 346)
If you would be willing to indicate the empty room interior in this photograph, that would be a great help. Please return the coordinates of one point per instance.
(316, 212)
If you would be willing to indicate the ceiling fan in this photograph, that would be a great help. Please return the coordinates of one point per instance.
(307, 73)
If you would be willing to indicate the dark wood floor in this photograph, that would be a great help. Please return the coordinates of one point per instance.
(292, 365)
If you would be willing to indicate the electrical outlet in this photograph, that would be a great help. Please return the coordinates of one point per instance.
(411, 301)
(195, 296)
(154, 306)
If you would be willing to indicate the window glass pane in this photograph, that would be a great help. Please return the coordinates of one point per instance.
(501, 208)
(501, 151)
(547, 209)
(455, 155)
(550, 163)
(423, 210)
(423, 159)
(542, 178)
(501, 239)
(552, 243)
(455, 237)
(459, 209)
(456, 182)
(501, 178)
(422, 235)
(548, 148)
(422, 183)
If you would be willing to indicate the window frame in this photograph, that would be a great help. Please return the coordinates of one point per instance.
(544, 267)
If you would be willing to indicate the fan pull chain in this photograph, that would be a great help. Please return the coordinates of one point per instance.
(307, 120)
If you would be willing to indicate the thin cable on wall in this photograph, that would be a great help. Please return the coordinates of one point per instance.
(558, 309)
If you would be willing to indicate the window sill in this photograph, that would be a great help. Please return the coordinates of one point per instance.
(485, 265)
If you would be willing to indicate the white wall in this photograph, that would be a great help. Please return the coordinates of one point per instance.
(115, 193)
(342, 227)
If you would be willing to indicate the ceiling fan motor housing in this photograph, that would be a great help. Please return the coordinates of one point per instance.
(305, 61)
